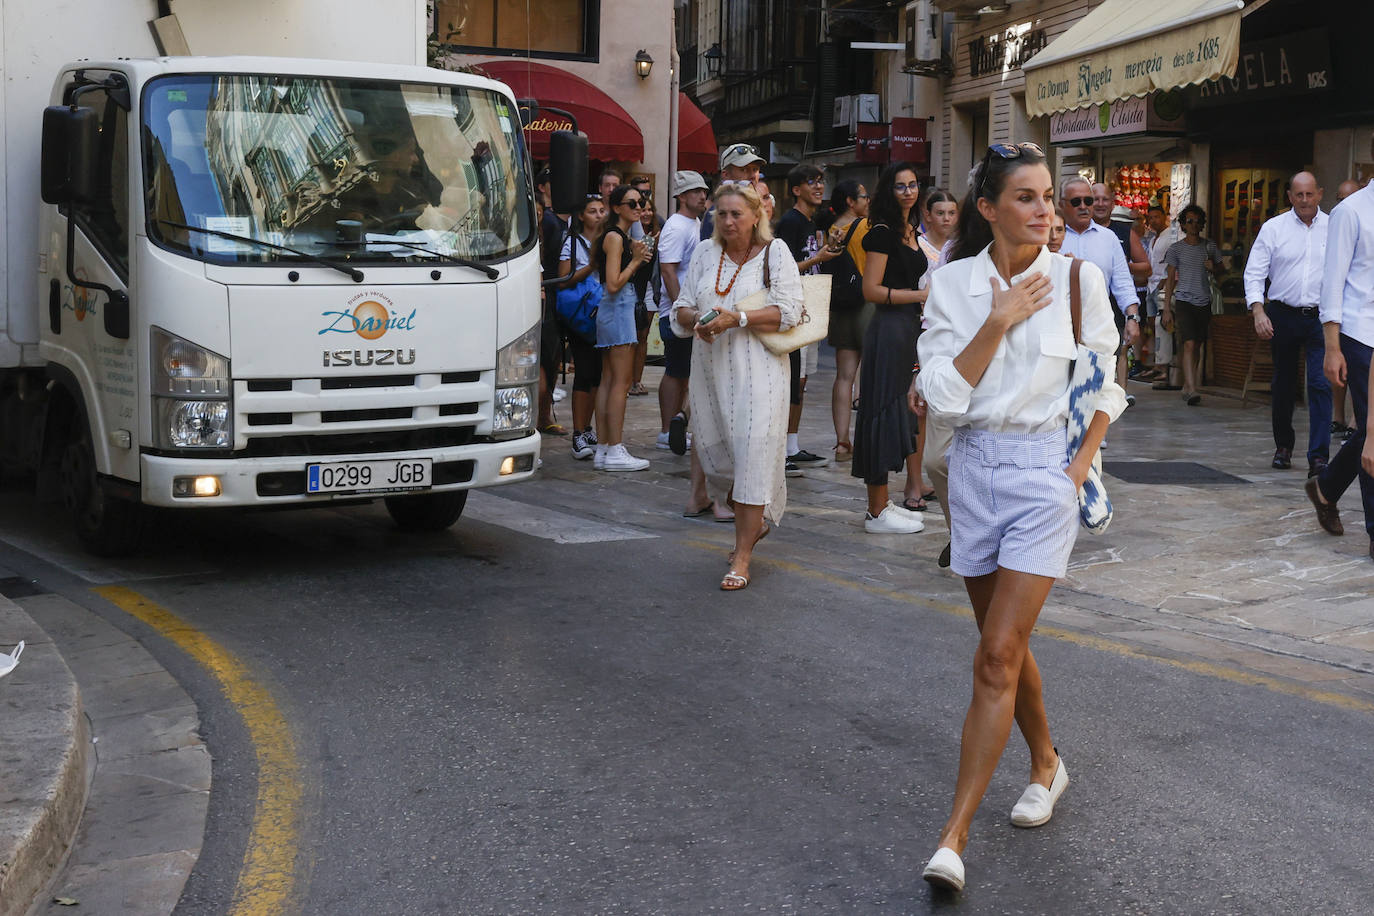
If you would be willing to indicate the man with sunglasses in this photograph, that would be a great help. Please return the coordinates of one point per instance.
(797, 228)
(1084, 238)
(739, 164)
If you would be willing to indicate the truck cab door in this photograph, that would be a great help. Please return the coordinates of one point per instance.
(74, 335)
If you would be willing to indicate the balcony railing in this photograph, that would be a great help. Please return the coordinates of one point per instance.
(780, 92)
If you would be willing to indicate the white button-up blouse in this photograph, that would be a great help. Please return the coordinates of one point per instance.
(1026, 386)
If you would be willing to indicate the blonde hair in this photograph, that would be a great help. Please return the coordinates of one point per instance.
(763, 233)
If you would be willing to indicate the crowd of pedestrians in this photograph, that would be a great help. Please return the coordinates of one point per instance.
(957, 327)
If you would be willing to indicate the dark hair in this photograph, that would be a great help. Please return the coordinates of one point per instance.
(938, 196)
(844, 192)
(882, 203)
(1201, 216)
(801, 174)
(973, 233)
(618, 195)
(608, 173)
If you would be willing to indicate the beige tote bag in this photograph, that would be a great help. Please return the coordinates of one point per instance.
(814, 323)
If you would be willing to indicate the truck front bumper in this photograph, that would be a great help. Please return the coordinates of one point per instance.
(281, 481)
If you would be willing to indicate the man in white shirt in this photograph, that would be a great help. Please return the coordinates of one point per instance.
(676, 242)
(1290, 253)
(1162, 235)
(1085, 239)
(1347, 314)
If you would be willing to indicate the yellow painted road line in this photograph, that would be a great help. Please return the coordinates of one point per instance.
(267, 881)
(1087, 640)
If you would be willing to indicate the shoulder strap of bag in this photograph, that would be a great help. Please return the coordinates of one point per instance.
(850, 234)
(1076, 301)
(767, 273)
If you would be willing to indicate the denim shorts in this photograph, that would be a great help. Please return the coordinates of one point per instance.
(615, 318)
(1010, 503)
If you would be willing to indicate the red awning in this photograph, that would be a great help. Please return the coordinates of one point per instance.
(696, 141)
(611, 133)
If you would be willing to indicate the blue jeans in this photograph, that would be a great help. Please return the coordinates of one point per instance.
(1345, 467)
(1294, 331)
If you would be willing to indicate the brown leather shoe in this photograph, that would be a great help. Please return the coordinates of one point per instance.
(1328, 516)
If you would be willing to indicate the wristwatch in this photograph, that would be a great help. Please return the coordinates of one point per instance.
(744, 319)
(1135, 318)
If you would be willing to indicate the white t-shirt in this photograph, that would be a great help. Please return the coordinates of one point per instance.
(584, 249)
(676, 242)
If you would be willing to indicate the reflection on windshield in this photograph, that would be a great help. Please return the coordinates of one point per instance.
(344, 168)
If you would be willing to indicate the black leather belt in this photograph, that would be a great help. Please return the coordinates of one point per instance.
(1307, 311)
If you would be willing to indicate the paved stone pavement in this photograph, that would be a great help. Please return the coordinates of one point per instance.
(1234, 575)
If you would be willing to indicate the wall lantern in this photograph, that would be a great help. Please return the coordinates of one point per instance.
(643, 63)
(714, 58)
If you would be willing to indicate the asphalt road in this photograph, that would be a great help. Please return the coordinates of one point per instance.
(494, 721)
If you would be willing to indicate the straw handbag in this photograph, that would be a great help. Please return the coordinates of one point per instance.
(814, 323)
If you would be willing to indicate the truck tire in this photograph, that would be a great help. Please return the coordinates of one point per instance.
(430, 512)
(105, 525)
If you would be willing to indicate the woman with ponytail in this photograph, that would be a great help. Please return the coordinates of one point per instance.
(995, 365)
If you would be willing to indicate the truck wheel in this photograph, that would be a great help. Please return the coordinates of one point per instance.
(430, 512)
(107, 527)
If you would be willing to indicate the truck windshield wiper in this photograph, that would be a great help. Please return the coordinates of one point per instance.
(491, 272)
(353, 273)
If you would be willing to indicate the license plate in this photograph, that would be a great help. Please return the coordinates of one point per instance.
(391, 475)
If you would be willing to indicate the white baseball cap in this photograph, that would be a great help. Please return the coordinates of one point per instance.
(685, 181)
(740, 154)
(1122, 215)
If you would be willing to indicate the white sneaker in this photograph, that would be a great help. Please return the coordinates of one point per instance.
(664, 443)
(892, 521)
(618, 459)
(599, 459)
(1036, 804)
(559, 394)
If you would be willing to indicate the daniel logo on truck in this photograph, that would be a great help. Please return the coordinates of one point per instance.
(370, 319)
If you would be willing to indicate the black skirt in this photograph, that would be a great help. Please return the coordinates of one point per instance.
(885, 431)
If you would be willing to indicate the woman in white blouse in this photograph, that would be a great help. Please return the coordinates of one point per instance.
(995, 364)
(739, 391)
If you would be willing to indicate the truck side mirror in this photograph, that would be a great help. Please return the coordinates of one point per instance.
(71, 143)
(567, 170)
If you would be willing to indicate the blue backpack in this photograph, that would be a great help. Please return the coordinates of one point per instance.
(577, 305)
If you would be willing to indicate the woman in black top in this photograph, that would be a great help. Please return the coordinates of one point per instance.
(885, 431)
(624, 277)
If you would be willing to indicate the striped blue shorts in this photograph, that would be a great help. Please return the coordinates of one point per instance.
(1010, 503)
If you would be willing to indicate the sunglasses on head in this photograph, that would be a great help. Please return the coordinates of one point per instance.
(1006, 151)
(1078, 201)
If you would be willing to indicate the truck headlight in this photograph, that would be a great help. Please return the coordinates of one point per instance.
(192, 406)
(517, 363)
(514, 411)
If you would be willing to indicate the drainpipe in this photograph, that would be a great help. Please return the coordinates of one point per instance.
(674, 110)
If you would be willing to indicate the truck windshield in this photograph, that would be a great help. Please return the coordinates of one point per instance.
(362, 170)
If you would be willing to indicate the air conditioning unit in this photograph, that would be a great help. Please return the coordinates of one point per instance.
(923, 34)
(844, 111)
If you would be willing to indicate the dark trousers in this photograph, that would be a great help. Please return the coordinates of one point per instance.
(1294, 331)
(1345, 467)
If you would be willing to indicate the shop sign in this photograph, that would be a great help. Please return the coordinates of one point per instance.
(909, 143)
(1004, 51)
(871, 143)
(1157, 113)
(1291, 65)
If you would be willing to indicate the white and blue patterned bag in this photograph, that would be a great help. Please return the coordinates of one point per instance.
(1087, 375)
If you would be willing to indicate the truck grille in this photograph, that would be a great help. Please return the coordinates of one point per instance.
(360, 414)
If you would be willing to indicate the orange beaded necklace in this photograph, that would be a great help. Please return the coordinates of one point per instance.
(721, 267)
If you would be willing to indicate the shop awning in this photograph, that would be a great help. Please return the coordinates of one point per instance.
(696, 141)
(612, 135)
(1126, 48)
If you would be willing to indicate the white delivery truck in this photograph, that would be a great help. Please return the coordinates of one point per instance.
(261, 282)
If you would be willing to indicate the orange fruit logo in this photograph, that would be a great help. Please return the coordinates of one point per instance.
(369, 319)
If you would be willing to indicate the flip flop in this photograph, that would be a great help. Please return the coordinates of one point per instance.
(915, 505)
(931, 495)
(553, 429)
(734, 582)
